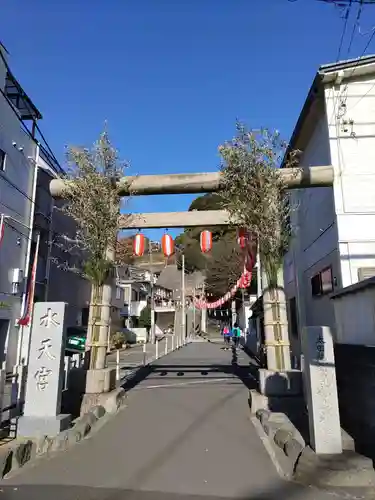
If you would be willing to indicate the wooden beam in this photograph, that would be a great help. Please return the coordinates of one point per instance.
(207, 182)
(174, 219)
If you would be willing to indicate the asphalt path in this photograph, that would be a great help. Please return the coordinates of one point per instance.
(185, 434)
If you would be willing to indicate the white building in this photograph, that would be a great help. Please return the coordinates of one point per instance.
(334, 245)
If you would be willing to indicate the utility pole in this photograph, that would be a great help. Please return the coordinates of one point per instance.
(183, 323)
(152, 292)
(259, 274)
(243, 310)
(194, 292)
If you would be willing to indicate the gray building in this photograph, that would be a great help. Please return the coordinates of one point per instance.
(26, 167)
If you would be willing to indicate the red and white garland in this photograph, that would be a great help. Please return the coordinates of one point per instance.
(243, 282)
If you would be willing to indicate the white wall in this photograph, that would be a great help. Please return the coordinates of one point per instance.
(353, 158)
(314, 245)
(335, 226)
(355, 318)
(14, 203)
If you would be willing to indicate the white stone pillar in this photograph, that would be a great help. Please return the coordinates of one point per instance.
(204, 320)
(321, 390)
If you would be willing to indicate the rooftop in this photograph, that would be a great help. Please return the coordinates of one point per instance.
(327, 74)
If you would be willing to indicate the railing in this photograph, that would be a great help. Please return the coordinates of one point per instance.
(165, 304)
(70, 362)
(152, 352)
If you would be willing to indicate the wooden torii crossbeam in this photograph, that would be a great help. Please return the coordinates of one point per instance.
(208, 182)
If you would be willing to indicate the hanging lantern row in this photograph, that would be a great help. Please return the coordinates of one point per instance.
(167, 245)
(167, 242)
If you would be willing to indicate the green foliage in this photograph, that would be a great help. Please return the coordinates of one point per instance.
(145, 318)
(118, 339)
(93, 203)
(254, 193)
(195, 260)
(97, 270)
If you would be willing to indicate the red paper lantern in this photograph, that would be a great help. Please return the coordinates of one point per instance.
(243, 237)
(139, 245)
(167, 245)
(206, 241)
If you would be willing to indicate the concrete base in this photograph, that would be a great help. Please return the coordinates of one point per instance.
(33, 427)
(280, 383)
(100, 381)
(290, 405)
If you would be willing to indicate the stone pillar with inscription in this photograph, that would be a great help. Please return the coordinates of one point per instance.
(45, 373)
(321, 390)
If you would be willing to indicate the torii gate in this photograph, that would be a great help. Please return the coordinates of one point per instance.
(294, 178)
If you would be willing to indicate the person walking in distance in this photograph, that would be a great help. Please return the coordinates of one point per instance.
(226, 335)
(236, 334)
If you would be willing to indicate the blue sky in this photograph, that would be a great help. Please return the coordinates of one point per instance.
(170, 76)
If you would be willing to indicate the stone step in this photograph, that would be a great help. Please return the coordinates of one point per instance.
(348, 443)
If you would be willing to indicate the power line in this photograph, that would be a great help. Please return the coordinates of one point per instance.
(355, 26)
(346, 19)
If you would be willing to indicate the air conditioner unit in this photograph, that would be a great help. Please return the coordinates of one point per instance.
(16, 279)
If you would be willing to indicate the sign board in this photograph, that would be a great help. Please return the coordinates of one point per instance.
(46, 361)
(321, 390)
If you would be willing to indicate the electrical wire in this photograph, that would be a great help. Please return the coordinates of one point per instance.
(346, 19)
(355, 26)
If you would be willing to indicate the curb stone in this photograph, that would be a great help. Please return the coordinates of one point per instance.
(22, 453)
(296, 461)
(114, 402)
(17, 455)
(43, 445)
(6, 459)
(262, 415)
(281, 437)
(282, 433)
(293, 450)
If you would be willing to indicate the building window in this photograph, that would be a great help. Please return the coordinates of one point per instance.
(322, 282)
(316, 286)
(327, 280)
(2, 160)
(118, 293)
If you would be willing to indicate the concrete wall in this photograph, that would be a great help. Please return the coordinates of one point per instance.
(334, 226)
(355, 373)
(353, 156)
(15, 188)
(61, 283)
(164, 319)
(354, 313)
(314, 245)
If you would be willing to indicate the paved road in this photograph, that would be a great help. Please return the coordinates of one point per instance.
(185, 435)
(133, 358)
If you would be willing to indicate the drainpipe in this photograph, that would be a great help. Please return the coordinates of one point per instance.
(28, 252)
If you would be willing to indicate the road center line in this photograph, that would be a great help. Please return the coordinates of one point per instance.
(195, 382)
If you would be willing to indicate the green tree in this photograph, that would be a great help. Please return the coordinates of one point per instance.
(92, 201)
(145, 318)
(256, 197)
